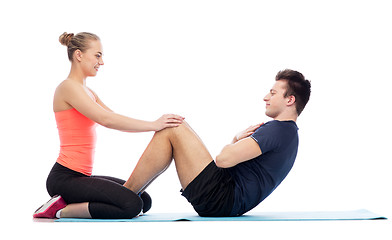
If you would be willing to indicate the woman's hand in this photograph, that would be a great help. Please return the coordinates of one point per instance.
(167, 120)
(246, 133)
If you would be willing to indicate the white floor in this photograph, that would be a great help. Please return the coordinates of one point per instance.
(375, 229)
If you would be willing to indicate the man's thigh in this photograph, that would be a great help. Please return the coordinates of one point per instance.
(190, 154)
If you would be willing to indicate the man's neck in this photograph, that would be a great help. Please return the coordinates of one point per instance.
(287, 117)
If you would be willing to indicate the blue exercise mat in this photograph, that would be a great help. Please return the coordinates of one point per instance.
(257, 216)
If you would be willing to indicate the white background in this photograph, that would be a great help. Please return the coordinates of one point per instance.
(212, 62)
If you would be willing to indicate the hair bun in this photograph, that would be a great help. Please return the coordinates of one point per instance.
(65, 38)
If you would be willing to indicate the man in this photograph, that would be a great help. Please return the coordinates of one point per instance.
(246, 171)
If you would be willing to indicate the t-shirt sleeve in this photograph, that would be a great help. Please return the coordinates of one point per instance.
(267, 138)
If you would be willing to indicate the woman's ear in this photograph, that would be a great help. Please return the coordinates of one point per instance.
(78, 55)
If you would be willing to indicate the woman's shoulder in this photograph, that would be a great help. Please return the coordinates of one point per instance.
(63, 92)
(68, 84)
(71, 88)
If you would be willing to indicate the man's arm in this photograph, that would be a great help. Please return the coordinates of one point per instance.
(243, 148)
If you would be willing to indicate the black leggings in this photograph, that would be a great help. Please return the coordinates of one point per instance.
(107, 197)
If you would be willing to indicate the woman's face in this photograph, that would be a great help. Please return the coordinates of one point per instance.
(91, 59)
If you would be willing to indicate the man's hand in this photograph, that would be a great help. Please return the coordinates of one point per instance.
(246, 133)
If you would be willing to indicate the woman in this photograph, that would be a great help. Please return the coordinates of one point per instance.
(75, 193)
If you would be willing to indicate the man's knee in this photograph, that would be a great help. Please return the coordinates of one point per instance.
(184, 127)
(174, 132)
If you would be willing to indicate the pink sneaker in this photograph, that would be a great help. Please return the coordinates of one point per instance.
(49, 209)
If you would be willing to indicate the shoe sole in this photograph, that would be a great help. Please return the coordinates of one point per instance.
(47, 205)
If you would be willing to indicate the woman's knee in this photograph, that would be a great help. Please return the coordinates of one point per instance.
(131, 204)
(147, 201)
(132, 208)
(136, 206)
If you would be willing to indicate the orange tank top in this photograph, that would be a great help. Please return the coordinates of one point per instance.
(77, 141)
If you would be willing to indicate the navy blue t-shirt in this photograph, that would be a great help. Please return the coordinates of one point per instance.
(257, 178)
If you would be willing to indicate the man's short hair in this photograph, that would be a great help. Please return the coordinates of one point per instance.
(297, 86)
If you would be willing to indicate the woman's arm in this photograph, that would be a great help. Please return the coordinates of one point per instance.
(99, 101)
(75, 95)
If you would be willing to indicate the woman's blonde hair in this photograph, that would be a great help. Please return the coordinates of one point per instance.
(74, 42)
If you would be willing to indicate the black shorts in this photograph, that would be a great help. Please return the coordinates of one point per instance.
(211, 193)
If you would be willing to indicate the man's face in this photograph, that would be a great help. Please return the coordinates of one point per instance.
(275, 101)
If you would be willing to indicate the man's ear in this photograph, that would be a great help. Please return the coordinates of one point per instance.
(291, 100)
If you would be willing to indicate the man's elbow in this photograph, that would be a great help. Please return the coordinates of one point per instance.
(223, 161)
